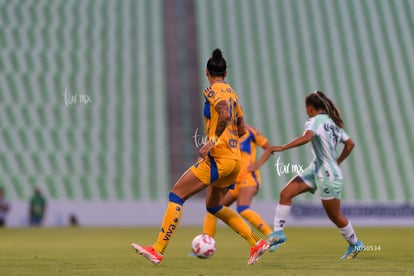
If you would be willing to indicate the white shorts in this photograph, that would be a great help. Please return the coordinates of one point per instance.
(328, 188)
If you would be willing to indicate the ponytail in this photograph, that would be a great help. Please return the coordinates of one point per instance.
(319, 101)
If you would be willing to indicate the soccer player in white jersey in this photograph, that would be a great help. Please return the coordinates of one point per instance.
(324, 131)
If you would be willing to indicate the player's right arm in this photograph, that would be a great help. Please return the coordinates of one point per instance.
(349, 146)
(241, 126)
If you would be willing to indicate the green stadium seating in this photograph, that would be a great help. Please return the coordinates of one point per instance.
(358, 52)
(113, 148)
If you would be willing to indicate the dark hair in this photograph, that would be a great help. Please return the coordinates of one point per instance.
(216, 64)
(318, 100)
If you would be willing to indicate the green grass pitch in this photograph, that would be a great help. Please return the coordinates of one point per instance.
(107, 251)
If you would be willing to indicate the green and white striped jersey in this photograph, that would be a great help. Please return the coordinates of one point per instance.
(326, 136)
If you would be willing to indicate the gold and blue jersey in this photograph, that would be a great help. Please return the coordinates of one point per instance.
(228, 144)
(248, 143)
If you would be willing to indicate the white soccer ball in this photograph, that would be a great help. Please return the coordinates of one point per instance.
(203, 246)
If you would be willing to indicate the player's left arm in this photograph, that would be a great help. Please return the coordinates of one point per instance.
(223, 110)
(298, 141)
(349, 146)
(265, 156)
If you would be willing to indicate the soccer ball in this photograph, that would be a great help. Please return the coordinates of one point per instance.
(203, 246)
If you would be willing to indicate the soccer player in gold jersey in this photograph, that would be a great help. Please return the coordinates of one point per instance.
(217, 168)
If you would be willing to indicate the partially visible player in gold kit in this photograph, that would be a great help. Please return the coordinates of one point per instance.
(247, 184)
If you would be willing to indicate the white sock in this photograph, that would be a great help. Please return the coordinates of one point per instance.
(349, 234)
(281, 214)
